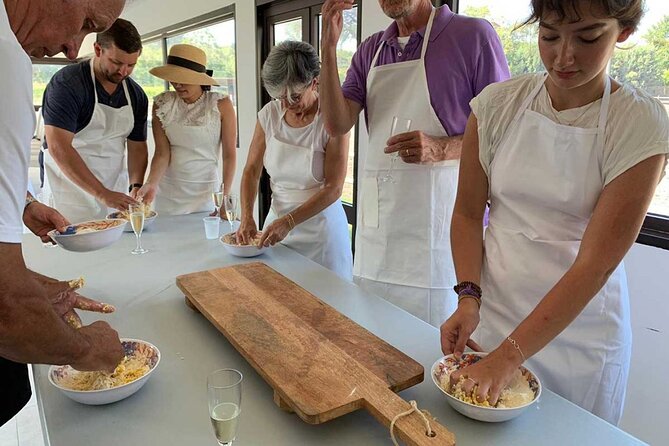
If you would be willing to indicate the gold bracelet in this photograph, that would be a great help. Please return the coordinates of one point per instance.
(516, 346)
(291, 221)
(469, 296)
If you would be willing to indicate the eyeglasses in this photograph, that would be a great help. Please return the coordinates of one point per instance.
(297, 97)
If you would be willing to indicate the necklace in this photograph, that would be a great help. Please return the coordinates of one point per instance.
(574, 120)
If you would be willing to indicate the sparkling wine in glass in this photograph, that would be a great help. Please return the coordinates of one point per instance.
(218, 198)
(399, 125)
(231, 203)
(136, 212)
(224, 394)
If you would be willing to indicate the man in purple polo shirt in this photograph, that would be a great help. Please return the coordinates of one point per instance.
(414, 82)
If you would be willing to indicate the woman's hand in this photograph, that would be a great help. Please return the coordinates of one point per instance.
(457, 329)
(147, 193)
(275, 232)
(247, 231)
(491, 374)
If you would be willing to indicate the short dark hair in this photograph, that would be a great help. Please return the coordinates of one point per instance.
(628, 13)
(123, 35)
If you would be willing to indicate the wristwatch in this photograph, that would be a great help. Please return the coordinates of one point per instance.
(134, 185)
(29, 200)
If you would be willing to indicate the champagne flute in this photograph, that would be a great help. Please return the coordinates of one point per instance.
(231, 203)
(136, 212)
(399, 125)
(224, 394)
(218, 198)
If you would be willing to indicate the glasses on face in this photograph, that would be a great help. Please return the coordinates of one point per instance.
(294, 98)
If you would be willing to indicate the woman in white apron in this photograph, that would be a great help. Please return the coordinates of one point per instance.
(569, 178)
(102, 146)
(306, 166)
(190, 125)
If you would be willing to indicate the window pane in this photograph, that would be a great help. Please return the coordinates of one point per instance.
(41, 76)
(152, 56)
(348, 43)
(218, 42)
(290, 30)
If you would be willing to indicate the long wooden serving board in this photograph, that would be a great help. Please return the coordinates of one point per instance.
(320, 364)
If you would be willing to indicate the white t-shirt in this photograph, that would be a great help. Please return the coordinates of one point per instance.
(637, 126)
(313, 135)
(17, 123)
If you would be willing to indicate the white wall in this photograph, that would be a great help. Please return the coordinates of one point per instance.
(647, 267)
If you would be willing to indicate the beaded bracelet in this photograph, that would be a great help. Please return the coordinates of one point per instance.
(517, 347)
(468, 288)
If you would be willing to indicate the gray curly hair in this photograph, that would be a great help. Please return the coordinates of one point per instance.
(289, 68)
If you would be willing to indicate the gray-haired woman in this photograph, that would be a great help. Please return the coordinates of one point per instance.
(307, 167)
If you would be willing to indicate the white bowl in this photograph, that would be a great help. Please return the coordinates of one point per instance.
(106, 396)
(488, 414)
(148, 221)
(77, 241)
(242, 250)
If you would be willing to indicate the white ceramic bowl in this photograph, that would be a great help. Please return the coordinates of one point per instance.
(488, 414)
(242, 250)
(148, 221)
(106, 396)
(75, 240)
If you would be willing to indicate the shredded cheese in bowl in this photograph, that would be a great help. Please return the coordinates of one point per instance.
(130, 369)
(517, 393)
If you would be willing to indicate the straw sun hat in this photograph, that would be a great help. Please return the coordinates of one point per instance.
(186, 64)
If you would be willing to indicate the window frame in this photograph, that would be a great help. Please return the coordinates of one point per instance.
(655, 228)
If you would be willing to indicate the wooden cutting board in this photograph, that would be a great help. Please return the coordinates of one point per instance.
(320, 364)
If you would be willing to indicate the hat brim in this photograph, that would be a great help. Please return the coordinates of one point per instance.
(181, 75)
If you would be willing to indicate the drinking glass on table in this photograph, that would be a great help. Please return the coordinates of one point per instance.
(231, 203)
(399, 125)
(136, 212)
(218, 198)
(224, 394)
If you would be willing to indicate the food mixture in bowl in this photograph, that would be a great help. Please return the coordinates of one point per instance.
(91, 226)
(519, 392)
(138, 361)
(231, 239)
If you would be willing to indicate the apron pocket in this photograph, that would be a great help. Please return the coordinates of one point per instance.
(369, 199)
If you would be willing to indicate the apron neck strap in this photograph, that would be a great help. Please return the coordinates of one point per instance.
(426, 39)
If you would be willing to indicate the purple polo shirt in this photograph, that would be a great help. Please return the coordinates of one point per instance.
(463, 56)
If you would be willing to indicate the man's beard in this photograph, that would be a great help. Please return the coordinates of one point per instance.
(397, 9)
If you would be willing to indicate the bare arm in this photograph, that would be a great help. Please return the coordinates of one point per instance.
(138, 159)
(160, 160)
(418, 147)
(249, 186)
(74, 167)
(32, 332)
(339, 114)
(228, 142)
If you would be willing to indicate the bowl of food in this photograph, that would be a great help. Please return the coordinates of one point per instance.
(231, 245)
(522, 392)
(96, 388)
(149, 218)
(89, 235)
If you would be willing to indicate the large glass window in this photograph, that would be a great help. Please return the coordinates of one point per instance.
(152, 56)
(288, 30)
(42, 74)
(642, 61)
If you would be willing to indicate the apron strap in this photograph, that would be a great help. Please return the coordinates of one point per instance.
(428, 30)
(604, 113)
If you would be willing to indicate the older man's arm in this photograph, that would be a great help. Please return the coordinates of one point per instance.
(418, 147)
(339, 113)
(32, 332)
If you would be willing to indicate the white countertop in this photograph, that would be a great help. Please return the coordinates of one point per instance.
(171, 409)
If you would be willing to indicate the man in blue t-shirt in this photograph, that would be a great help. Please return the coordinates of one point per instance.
(92, 111)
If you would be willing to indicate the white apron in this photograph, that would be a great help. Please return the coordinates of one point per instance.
(403, 250)
(324, 237)
(101, 145)
(193, 172)
(545, 180)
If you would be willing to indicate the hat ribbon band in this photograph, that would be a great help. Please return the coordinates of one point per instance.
(185, 63)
